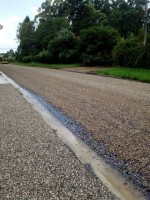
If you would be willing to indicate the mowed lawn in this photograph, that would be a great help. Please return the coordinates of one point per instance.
(127, 73)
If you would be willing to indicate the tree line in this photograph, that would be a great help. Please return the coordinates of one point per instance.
(90, 32)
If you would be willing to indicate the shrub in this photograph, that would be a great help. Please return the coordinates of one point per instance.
(43, 57)
(27, 59)
(62, 48)
(11, 59)
(96, 44)
(132, 53)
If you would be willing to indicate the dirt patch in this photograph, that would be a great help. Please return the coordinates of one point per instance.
(85, 70)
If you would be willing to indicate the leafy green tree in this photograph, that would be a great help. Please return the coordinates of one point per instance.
(131, 52)
(103, 5)
(25, 36)
(62, 48)
(96, 44)
(77, 9)
(9, 54)
(127, 16)
(53, 8)
(65, 29)
(92, 17)
(47, 30)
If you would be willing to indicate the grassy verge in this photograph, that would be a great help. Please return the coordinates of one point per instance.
(51, 66)
(128, 73)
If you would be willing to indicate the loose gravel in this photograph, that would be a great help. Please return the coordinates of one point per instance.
(114, 112)
(34, 163)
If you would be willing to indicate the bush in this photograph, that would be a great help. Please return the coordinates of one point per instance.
(11, 59)
(96, 44)
(43, 57)
(145, 57)
(27, 59)
(132, 53)
(62, 48)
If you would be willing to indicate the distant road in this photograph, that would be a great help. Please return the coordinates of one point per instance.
(115, 112)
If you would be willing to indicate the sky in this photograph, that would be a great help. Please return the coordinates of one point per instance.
(11, 13)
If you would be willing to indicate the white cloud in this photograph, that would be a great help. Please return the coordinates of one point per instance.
(8, 33)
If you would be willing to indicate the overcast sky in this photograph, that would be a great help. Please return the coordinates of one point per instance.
(11, 13)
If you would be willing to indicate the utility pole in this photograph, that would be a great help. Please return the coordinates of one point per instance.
(145, 22)
(1, 26)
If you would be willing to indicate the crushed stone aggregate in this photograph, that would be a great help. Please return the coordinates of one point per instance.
(114, 112)
(34, 163)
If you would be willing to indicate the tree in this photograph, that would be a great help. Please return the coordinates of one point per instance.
(132, 53)
(127, 17)
(96, 45)
(47, 30)
(145, 22)
(77, 13)
(62, 48)
(85, 22)
(53, 8)
(92, 17)
(103, 5)
(25, 36)
(9, 54)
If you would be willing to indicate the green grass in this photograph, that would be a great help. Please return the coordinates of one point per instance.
(51, 66)
(127, 73)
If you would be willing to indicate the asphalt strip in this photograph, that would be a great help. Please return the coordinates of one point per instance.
(116, 183)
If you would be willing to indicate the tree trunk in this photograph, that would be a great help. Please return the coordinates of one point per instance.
(145, 23)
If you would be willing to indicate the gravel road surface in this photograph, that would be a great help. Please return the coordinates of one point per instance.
(114, 112)
(34, 163)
